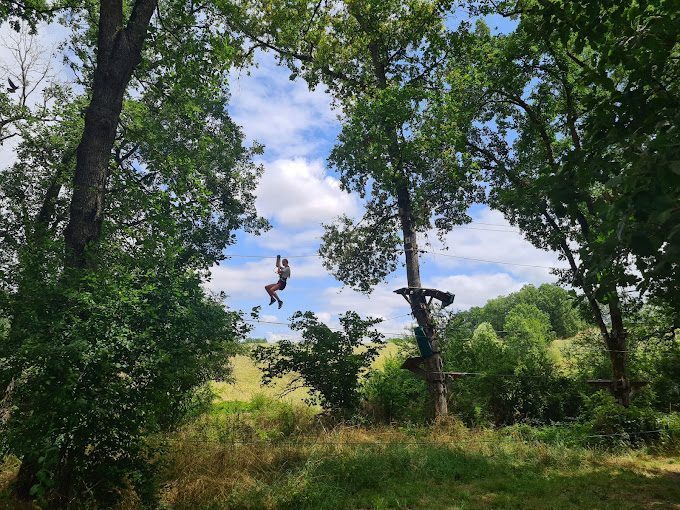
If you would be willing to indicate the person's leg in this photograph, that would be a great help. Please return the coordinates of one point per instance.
(279, 286)
(270, 290)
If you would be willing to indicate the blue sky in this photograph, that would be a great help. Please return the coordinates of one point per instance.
(298, 192)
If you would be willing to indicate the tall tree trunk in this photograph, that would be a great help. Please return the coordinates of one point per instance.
(434, 365)
(618, 354)
(435, 378)
(118, 54)
(27, 477)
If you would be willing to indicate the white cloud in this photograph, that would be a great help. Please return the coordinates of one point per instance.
(477, 289)
(288, 118)
(382, 302)
(496, 240)
(282, 240)
(299, 193)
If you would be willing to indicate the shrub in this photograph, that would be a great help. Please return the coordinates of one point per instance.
(614, 425)
(329, 363)
(96, 372)
(260, 418)
(392, 394)
(517, 379)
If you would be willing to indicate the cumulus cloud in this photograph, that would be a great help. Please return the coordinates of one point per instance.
(284, 115)
(475, 290)
(298, 193)
(496, 240)
(247, 280)
(282, 240)
(382, 302)
(240, 281)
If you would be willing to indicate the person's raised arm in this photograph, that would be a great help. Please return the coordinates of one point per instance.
(278, 261)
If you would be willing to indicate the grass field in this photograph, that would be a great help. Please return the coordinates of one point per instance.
(257, 452)
(248, 381)
(275, 456)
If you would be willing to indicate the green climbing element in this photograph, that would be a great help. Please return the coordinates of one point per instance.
(424, 345)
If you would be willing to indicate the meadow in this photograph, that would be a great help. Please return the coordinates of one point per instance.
(257, 451)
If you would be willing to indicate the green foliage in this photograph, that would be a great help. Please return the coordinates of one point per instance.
(614, 425)
(94, 373)
(628, 75)
(381, 62)
(517, 379)
(28, 11)
(329, 363)
(392, 394)
(261, 418)
(526, 324)
(558, 140)
(97, 363)
(551, 301)
(654, 355)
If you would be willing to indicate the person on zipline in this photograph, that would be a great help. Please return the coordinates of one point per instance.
(283, 269)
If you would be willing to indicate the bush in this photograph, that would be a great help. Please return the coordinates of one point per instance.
(517, 379)
(395, 395)
(329, 363)
(260, 418)
(96, 372)
(654, 356)
(614, 425)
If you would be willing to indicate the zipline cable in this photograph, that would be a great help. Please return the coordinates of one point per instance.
(486, 261)
(337, 330)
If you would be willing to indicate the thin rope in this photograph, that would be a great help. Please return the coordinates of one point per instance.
(307, 442)
(488, 261)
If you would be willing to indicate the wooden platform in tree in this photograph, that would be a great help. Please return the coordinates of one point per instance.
(414, 365)
(446, 298)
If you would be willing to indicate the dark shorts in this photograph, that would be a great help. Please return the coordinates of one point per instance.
(282, 284)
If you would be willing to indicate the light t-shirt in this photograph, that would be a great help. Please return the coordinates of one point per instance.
(284, 272)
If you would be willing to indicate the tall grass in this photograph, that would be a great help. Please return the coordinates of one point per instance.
(271, 455)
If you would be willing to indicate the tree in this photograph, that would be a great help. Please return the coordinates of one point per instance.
(329, 363)
(529, 141)
(553, 300)
(30, 70)
(380, 60)
(29, 191)
(516, 379)
(626, 56)
(125, 343)
(17, 12)
(119, 52)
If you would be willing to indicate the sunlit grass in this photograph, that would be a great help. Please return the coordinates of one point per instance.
(248, 380)
(276, 456)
